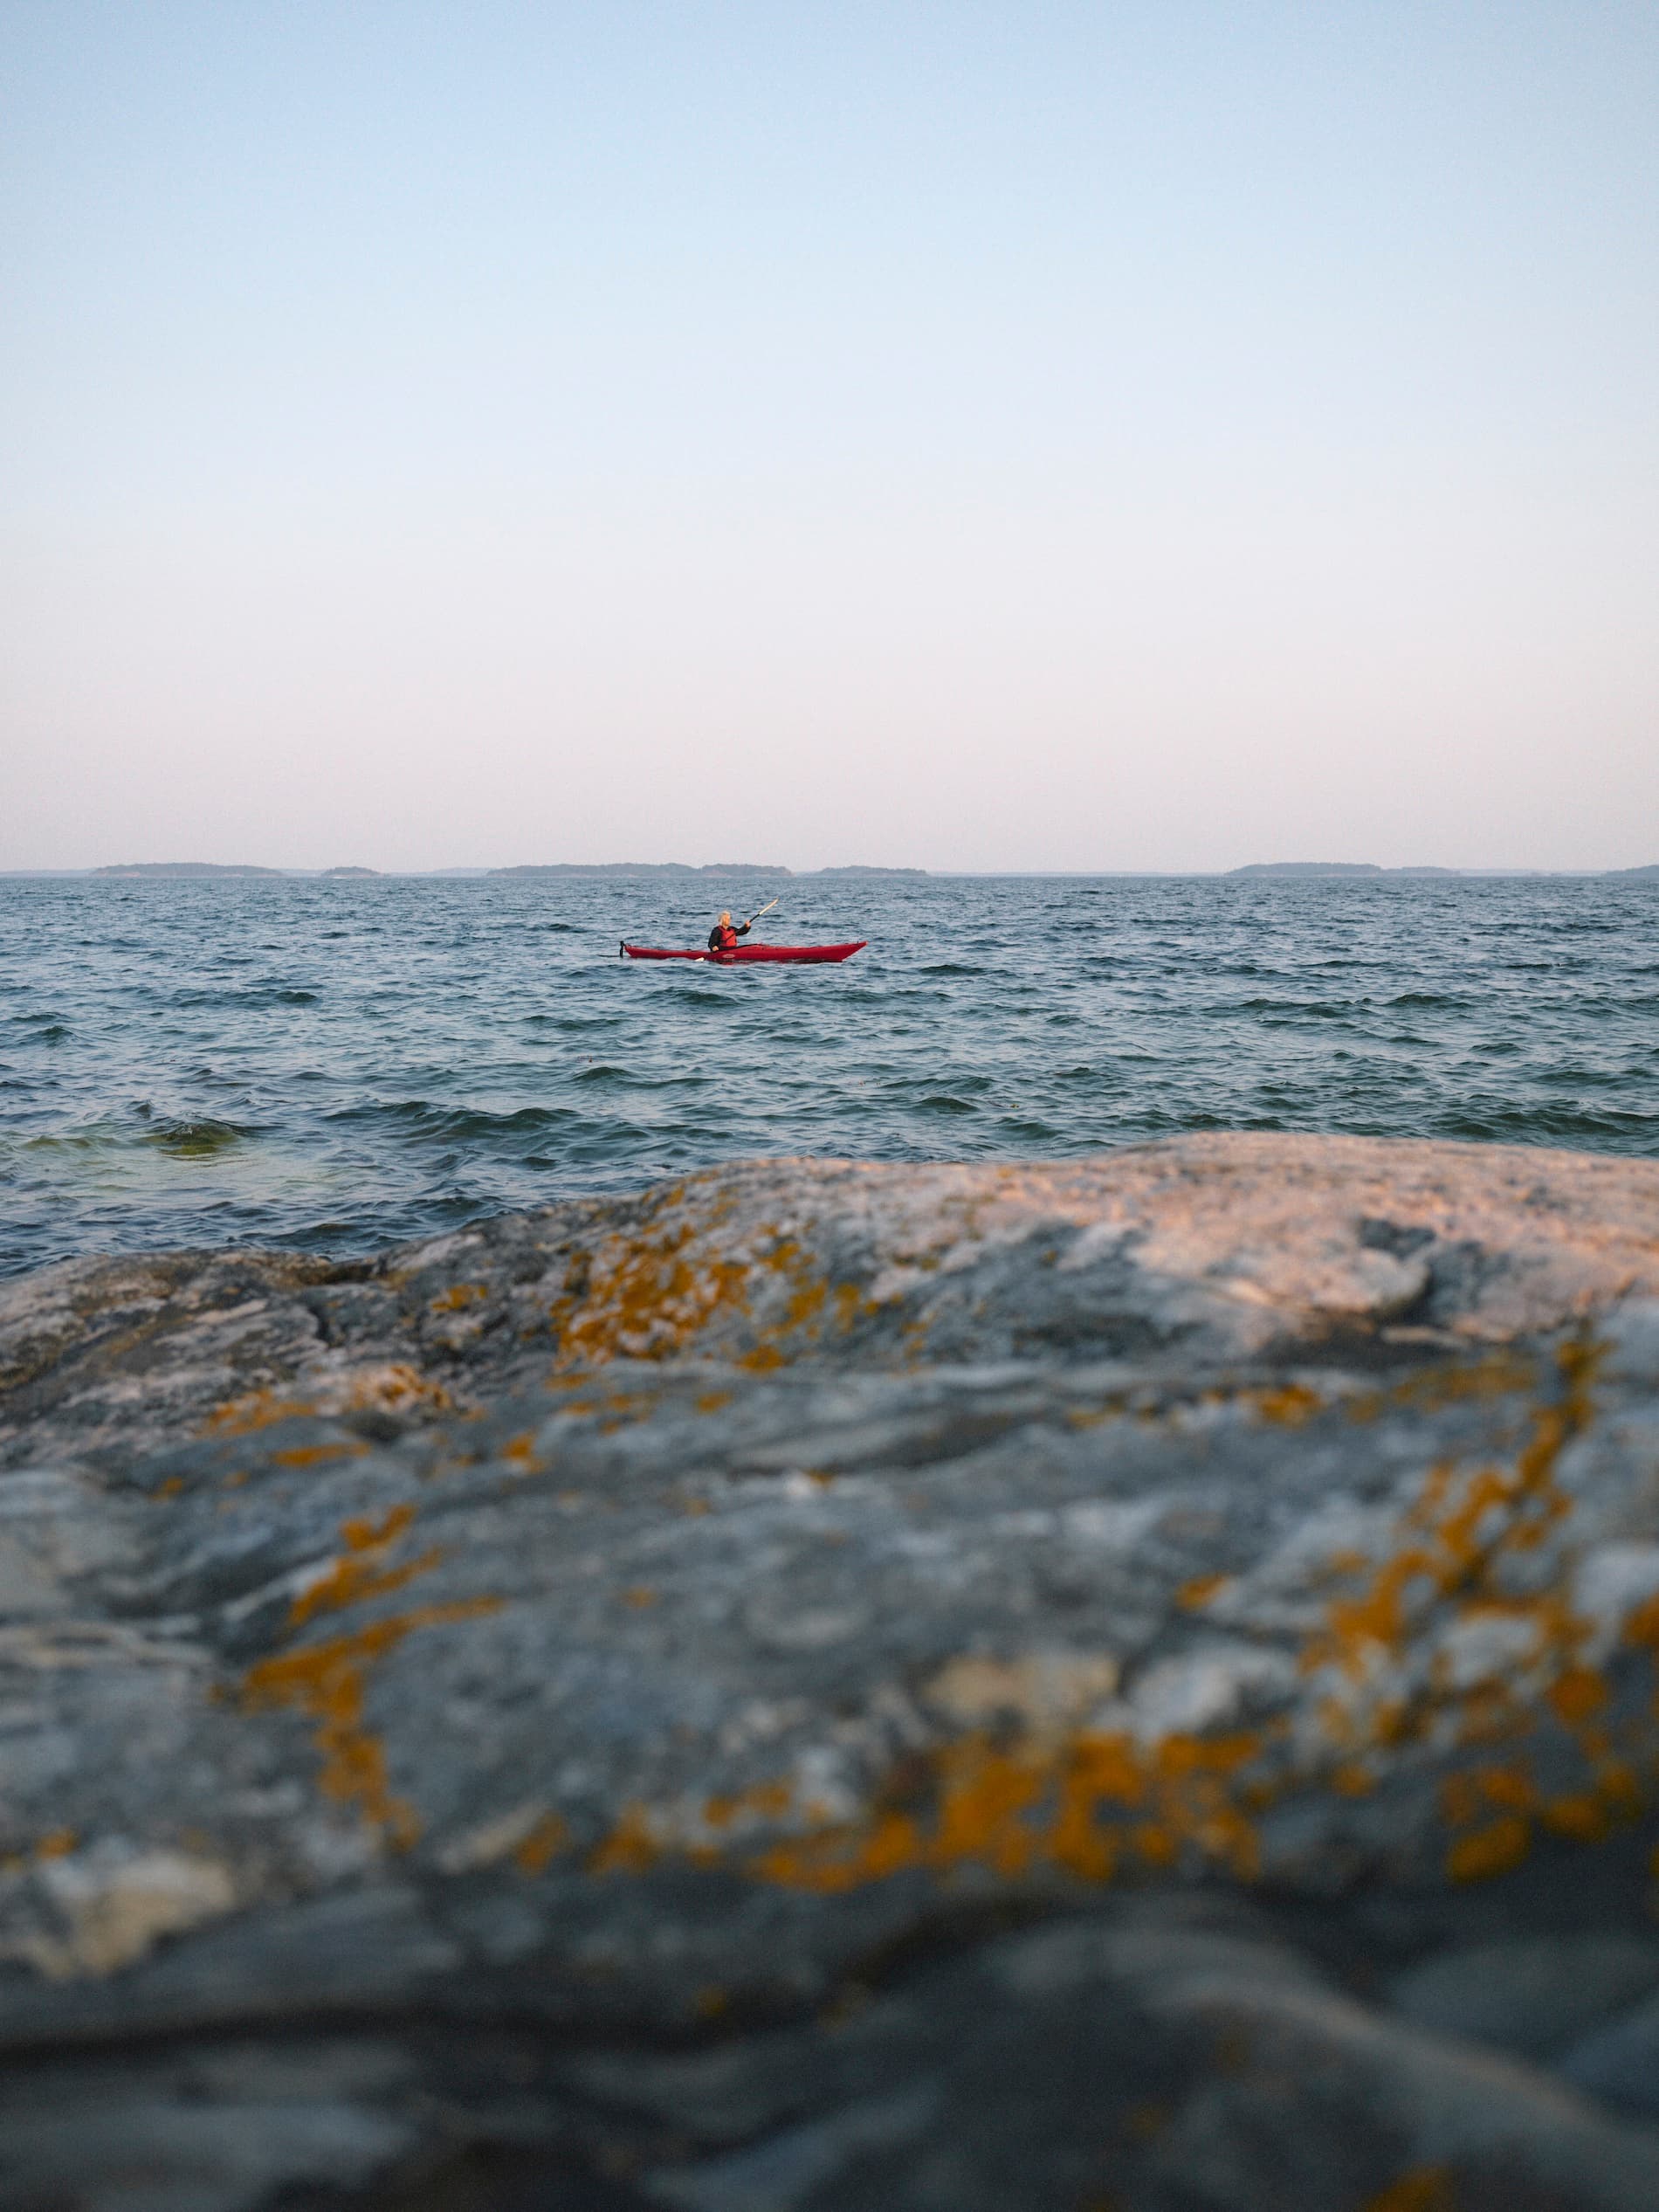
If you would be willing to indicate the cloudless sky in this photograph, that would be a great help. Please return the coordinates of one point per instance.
(1028, 436)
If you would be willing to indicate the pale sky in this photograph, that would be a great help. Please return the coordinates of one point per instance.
(1026, 436)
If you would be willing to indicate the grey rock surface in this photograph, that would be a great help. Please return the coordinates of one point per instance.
(1536, 1996)
(1129, 1682)
(1619, 2062)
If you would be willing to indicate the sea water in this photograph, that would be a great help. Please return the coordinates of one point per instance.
(332, 1064)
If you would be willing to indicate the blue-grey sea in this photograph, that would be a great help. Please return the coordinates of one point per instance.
(329, 1064)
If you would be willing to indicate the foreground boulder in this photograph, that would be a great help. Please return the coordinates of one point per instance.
(1127, 1683)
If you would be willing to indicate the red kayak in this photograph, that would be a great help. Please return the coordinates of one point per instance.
(743, 953)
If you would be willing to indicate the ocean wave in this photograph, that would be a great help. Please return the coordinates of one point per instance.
(423, 1121)
(1506, 1124)
(258, 997)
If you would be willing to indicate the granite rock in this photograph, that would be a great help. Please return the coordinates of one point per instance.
(1122, 1682)
(1620, 2061)
(1538, 1997)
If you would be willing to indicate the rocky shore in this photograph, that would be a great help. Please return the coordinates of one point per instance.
(1121, 1684)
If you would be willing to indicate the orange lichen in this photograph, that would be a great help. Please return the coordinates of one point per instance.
(349, 1580)
(889, 1844)
(1197, 1593)
(1089, 1802)
(57, 1842)
(644, 1297)
(327, 1682)
(1511, 1788)
(1426, 2189)
(259, 1409)
(1577, 1694)
(536, 1851)
(766, 1800)
(761, 1359)
(359, 1573)
(1618, 1790)
(1455, 1538)
(982, 1815)
(1499, 1374)
(397, 1388)
(806, 1305)
(1012, 1811)
(630, 1849)
(1083, 1803)
(1580, 1819)
(1495, 1849)
(650, 1295)
(315, 1455)
(1288, 1407)
(1459, 1801)
(360, 1533)
(458, 1296)
(520, 1451)
(1156, 1845)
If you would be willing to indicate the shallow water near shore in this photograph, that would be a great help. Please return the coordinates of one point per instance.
(334, 1065)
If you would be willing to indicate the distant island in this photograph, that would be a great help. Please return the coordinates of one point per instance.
(173, 868)
(750, 869)
(1335, 868)
(185, 868)
(764, 872)
(640, 868)
(745, 868)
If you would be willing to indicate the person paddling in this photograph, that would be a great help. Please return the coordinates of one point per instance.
(724, 936)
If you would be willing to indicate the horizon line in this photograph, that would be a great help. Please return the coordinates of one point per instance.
(200, 870)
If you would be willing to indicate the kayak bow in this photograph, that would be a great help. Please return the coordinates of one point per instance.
(744, 953)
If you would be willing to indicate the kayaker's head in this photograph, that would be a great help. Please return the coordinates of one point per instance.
(725, 916)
